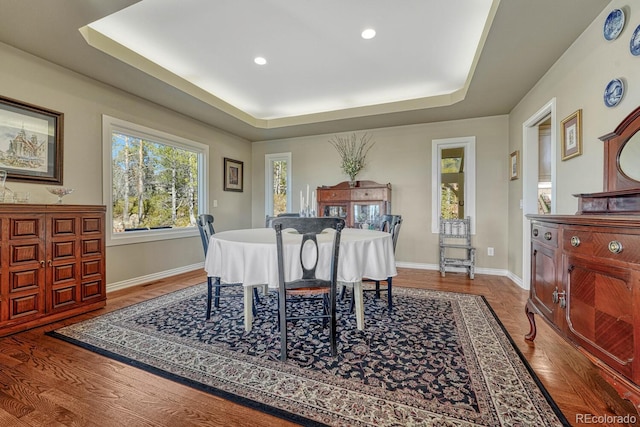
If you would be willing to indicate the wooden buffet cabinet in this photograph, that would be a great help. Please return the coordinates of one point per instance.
(52, 263)
(585, 269)
(362, 204)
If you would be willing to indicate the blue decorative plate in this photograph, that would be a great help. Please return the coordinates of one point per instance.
(613, 93)
(613, 25)
(634, 44)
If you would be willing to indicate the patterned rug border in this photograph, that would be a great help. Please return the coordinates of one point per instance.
(525, 362)
(272, 410)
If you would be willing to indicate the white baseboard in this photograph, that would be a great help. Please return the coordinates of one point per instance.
(151, 277)
(418, 266)
(489, 271)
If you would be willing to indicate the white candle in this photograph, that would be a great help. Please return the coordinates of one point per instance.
(301, 201)
(313, 201)
(307, 199)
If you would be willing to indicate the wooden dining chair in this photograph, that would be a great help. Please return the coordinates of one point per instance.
(205, 226)
(309, 286)
(455, 245)
(390, 224)
(268, 221)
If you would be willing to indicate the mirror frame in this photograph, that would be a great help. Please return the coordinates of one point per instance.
(614, 178)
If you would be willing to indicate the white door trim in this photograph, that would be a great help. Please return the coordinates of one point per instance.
(530, 144)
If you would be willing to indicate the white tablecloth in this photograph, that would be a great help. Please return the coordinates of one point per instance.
(250, 257)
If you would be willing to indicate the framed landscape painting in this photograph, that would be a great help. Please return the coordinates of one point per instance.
(233, 175)
(30, 142)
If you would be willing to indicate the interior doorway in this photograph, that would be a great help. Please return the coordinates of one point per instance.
(541, 127)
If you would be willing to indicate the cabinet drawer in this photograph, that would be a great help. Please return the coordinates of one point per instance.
(615, 246)
(332, 195)
(368, 194)
(546, 234)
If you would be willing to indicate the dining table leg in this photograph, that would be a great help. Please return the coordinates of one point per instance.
(359, 304)
(248, 308)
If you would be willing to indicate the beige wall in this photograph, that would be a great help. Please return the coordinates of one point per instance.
(577, 81)
(83, 101)
(402, 157)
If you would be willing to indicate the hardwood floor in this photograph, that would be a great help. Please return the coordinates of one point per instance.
(47, 382)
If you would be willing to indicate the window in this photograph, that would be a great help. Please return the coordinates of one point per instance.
(154, 184)
(453, 180)
(277, 183)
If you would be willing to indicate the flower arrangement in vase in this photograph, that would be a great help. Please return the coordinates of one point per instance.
(353, 153)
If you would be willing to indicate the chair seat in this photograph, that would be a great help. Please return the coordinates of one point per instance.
(308, 291)
(456, 246)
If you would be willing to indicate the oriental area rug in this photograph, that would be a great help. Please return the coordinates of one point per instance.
(439, 358)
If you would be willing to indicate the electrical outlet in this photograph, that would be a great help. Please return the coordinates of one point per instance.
(490, 251)
(215, 203)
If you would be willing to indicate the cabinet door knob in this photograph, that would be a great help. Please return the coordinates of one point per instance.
(575, 241)
(42, 263)
(535, 232)
(547, 235)
(615, 247)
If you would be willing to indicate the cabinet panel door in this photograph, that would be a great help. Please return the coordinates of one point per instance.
(600, 314)
(22, 272)
(545, 286)
(63, 252)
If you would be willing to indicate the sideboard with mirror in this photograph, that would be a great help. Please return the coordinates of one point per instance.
(585, 268)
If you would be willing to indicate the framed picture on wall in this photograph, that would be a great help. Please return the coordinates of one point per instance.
(571, 135)
(233, 175)
(30, 142)
(514, 165)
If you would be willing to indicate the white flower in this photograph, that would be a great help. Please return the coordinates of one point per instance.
(353, 154)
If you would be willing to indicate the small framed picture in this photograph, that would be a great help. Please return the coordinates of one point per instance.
(30, 142)
(514, 165)
(233, 175)
(571, 135)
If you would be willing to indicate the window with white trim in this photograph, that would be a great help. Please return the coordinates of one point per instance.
(154, 183)
(453, 180)
(277, 180)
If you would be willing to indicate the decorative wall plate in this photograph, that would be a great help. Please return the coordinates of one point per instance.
(613, 25)
(634, 44)
(613, 93)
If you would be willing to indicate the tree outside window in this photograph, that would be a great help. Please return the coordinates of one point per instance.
(154, 185)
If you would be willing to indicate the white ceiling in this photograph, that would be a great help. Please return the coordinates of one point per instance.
(317, 60)
(320, 77)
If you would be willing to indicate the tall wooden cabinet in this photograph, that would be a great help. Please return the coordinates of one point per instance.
(362, 204)
(585, 268)
(52, 263)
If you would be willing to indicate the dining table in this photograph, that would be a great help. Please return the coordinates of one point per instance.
(249, 256)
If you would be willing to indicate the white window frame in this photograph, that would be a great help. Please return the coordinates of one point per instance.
(111, 125)
(269, 159)
(469, 145)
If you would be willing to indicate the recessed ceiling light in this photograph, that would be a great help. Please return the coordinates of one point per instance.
(260, 60)
(369, 33)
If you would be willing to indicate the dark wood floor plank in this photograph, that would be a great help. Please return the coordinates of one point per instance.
(48, 382)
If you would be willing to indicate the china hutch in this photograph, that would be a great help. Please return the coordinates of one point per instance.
(585, 268)
(360, 205)
(52, 263)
